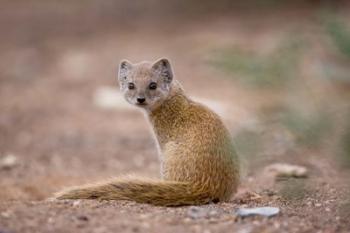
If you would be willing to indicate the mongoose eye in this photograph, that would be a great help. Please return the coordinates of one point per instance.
(131, 86)
(153, 86)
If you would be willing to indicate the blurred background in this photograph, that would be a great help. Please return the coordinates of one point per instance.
(278, 72)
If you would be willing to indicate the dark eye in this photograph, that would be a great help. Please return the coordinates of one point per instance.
(153, 86)
(131, 86)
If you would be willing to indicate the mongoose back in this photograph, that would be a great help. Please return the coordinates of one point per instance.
(198, 161)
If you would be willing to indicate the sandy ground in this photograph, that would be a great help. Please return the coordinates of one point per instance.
(50, 122)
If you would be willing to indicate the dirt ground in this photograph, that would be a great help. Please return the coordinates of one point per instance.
(50, 122)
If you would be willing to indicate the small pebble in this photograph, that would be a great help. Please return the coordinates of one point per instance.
(83, 218)
(196, 212)
(5, 214)
(262, 211)
(146, 225)
(256, 222)
(76, 203)
(8, 162)
(277, 225)
(213, 213)
(144, 216)
(287, 170)
(50, 220)
(245, 229)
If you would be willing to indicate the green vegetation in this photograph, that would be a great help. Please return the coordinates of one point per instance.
(337, 69)
(271, 70)
(339, 32)
(345, 147)
(308, 129)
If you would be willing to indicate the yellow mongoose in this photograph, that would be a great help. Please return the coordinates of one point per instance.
(198, 161)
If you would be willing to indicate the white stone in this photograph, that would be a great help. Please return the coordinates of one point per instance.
(8, 162)
(289, 170)
(264, 211)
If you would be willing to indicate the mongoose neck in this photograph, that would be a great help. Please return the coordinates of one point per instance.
(170, 119)
(176, 98)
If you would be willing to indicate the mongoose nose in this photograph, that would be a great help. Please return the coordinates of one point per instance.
(141, 100)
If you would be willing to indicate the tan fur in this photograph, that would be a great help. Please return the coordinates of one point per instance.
(198, 161)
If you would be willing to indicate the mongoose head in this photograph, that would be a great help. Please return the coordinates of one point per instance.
(145, 84)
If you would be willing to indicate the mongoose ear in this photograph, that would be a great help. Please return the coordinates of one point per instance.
(162, 66)
(124, 68)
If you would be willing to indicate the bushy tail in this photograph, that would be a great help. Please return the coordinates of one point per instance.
(156, 192)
